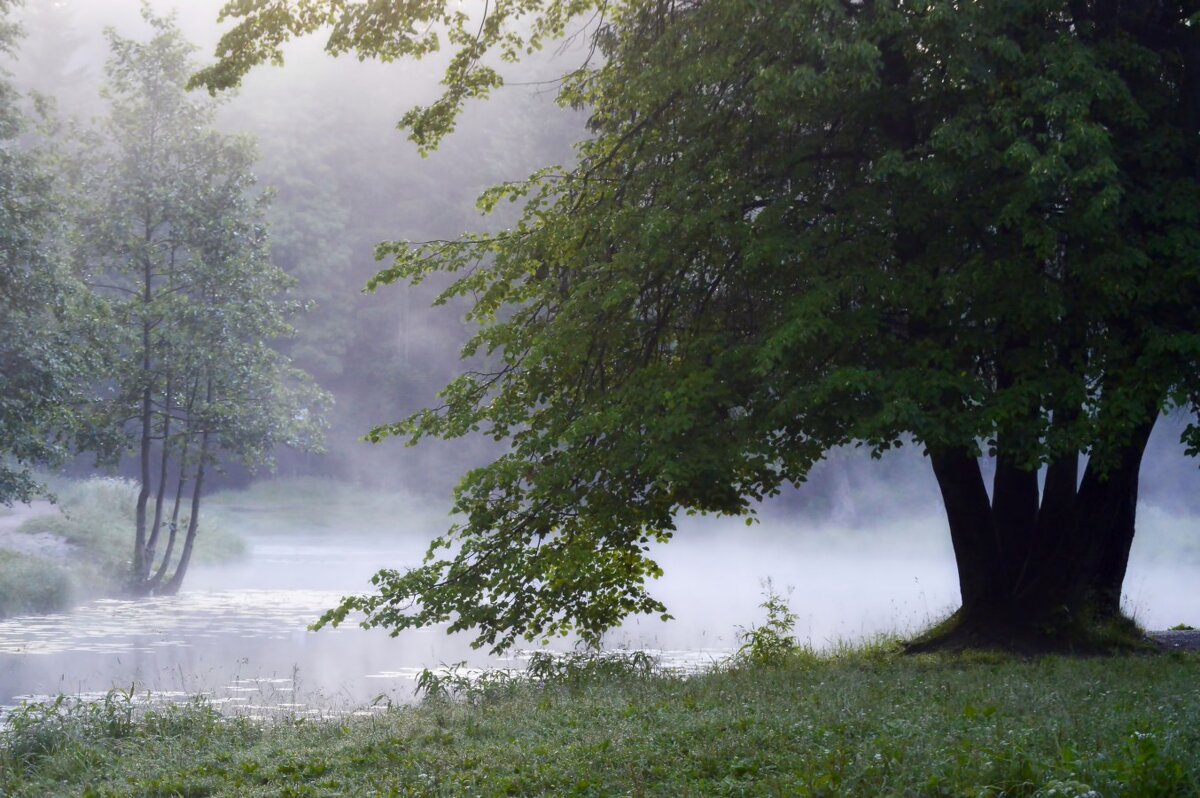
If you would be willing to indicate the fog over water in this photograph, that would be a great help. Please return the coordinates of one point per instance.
(863, 549)
(237, 633)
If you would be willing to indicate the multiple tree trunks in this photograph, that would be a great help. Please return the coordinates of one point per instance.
(1038, 566)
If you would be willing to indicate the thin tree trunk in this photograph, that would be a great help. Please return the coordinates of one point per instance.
(140, 566)
(172, 587)
(152, 541)
(173, 527)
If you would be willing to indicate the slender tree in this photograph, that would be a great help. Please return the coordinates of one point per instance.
(172, 238)
(799, 225)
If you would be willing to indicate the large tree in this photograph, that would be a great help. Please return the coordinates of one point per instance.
(171, 236)
(798, 225)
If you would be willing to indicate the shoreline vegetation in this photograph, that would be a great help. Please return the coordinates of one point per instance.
(53, 557)
(857, 721)
(58, 556)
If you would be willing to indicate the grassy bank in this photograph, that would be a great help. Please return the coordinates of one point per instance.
(865, 723)
(94, 533)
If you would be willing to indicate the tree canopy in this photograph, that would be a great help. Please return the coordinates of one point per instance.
(41, 368)
(798, 225)
(172, 238)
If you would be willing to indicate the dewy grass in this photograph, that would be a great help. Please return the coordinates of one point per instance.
(851, 724)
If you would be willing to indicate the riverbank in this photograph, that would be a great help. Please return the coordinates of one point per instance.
(53, 556)
(864, 723)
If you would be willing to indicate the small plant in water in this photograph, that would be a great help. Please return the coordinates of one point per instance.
(772, 642)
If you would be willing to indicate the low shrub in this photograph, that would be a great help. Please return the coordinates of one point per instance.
(30, 584)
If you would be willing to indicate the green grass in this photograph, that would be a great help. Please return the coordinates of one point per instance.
(30, 584)
(97, 519)
(866, 724)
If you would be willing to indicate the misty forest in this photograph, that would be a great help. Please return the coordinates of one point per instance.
(649, 397)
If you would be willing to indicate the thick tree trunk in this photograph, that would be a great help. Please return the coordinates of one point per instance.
(971, 530)
(1105, 522)
(1037, 572)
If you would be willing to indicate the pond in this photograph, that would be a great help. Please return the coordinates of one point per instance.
(238, 634)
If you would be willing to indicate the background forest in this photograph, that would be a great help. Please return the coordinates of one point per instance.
(342, 180)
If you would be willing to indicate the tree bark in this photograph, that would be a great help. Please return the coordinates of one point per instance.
(172, 526)
(164, 460)
(1104, 528)
(140, 566)
(971, 530)
(185, 557)
(1035, 574)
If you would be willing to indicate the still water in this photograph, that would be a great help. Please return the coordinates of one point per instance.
(237, 634)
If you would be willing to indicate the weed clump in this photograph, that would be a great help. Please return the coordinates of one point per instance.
(544, 669)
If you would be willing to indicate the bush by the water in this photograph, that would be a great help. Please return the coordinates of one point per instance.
(31, 584)
(854, 724)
